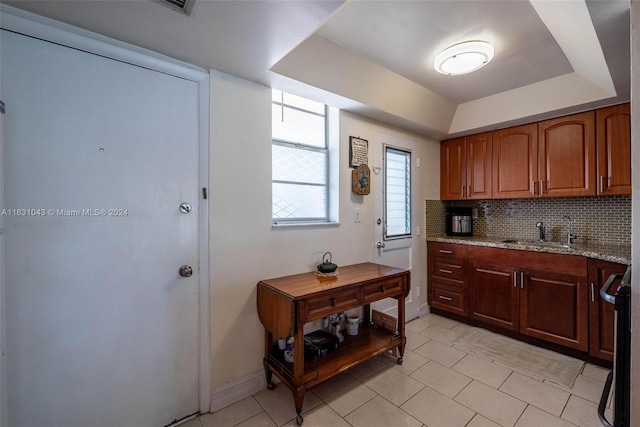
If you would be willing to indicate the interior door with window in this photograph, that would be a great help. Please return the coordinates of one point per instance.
(391, 186)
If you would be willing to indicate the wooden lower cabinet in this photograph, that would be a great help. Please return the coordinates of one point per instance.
(541, 304)
(601, 313)
(447, 269)
(554, 307)
(493, 297)
(541, 295)
(547, 296)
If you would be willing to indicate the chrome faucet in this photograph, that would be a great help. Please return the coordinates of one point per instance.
(570, 237)
(541, 230)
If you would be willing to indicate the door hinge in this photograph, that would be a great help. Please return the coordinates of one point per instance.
(204, 193)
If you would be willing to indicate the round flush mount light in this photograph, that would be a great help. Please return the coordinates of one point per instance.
(463, 58)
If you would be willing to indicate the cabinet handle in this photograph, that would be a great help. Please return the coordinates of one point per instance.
(601, 184)
(533, 188)
(462, 191)
(442, 251)
(446, 271)
(541, 187)
(521, 280)
(383, 288)
(515, 279)
(593, 295)
(445, 298)
(333, 302)
(468, 191)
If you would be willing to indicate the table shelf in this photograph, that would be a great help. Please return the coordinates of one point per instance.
(371, 341)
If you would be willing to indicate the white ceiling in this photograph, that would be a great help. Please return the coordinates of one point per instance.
(406, 36)
(375, 57)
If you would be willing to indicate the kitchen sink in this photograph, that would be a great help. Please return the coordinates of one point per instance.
(538, 243)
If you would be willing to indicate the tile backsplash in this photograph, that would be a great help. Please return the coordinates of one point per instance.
(594, 219)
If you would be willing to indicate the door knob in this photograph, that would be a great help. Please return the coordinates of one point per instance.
(186, 271)
(380, 245)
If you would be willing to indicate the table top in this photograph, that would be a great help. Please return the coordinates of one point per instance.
(299, 285)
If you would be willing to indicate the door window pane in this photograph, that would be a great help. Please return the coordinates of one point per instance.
(397, 192)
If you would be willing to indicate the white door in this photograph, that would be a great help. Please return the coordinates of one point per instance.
(3, 359)
(393, 246)
(102, 330)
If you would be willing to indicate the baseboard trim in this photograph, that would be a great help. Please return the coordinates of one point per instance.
(237, 390)
(423, 310)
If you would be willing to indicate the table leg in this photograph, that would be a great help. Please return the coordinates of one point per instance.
(268, 347)
(401, 319)
(298, 398)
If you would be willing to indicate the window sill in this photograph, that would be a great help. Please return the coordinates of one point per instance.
(305, 225)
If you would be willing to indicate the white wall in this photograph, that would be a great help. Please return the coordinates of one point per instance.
(245, 248)
(635, 232)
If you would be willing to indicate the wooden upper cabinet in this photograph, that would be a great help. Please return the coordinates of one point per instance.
(557, 157)
(566, 150)
(465, 168)
(515, 162)
(614, 150)
(453, 169)
(479, 166)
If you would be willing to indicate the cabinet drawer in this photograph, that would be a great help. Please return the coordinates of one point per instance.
(330, 303)
(452, 271)
(449, 298)
(449, 250)
(382, 289)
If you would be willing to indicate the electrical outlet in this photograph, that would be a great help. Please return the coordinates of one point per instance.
(418, 230)
(356, 214)
(418, 162)
(418, 291)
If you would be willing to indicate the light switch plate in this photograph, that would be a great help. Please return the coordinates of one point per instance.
(356, 214)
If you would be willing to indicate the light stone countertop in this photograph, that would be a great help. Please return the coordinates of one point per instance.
(613, 253)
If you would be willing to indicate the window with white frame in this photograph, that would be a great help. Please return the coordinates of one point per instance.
(397, 193)
(300, 159)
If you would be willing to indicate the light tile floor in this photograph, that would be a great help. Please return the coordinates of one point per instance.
(436, 386)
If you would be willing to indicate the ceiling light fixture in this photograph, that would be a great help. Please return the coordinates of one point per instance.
(463, 58)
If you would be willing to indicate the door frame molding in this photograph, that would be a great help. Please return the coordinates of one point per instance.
(32, 25)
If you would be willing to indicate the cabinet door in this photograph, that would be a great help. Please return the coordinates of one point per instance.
(601, 313)
(453, 169)
(479, 166)
(614, 150)
(567, 150)
(493, 296)
(554, 307)
(515, 162)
